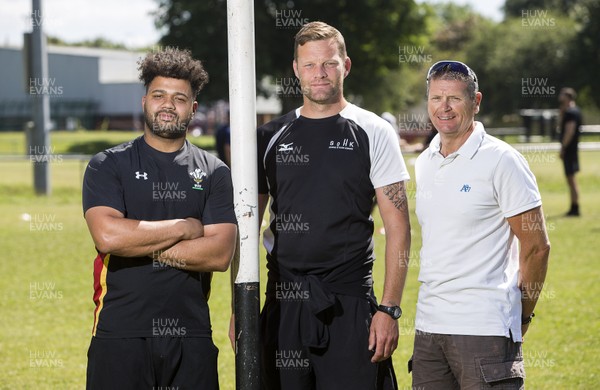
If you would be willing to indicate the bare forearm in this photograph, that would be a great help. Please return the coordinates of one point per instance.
(530, 229)
(396, 266)
(210, 253)
(132, 238)
(393, 205)
(534, 265)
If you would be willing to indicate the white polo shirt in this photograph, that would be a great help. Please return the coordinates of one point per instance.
(469, 260)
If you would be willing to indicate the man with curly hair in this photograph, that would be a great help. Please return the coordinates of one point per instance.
(160, 213)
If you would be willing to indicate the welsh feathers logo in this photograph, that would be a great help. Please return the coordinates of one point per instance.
(198, 176)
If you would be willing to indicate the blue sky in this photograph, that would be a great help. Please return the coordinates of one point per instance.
(123, 21)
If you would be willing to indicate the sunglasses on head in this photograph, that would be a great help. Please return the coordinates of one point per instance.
(451, 66)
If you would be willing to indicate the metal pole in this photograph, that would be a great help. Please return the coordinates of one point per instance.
(39, 148)
(242, 101)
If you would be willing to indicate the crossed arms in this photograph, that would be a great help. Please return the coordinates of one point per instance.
(182, 243)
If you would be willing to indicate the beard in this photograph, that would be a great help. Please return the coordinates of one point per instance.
(332, 96)
(169, 130)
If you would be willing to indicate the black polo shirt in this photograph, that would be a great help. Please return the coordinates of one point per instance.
(142, 297)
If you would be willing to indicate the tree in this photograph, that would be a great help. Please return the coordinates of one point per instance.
(97, 43)
(520, 8)
(374, 30)
(584, 56)
(552, 42)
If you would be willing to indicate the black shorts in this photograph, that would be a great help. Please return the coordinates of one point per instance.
(146, 363)
(344, 364)
(571, 163)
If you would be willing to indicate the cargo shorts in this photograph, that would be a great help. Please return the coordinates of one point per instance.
(442, 361)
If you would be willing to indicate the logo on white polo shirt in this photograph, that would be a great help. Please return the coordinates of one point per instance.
(465, 188)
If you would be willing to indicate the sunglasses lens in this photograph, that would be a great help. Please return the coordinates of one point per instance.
(451, 66)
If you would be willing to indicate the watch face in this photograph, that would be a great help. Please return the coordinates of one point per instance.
(394, 311)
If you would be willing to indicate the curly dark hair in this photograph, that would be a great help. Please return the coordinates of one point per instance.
(173, 63)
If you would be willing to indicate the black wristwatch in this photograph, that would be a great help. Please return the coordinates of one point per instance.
(393, 311)
(526, 320)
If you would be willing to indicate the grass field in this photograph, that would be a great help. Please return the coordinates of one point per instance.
(46, 280)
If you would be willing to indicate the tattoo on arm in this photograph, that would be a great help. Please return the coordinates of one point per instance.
(396, 193)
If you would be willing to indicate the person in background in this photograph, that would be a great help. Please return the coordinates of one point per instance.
(485, 249)
(570, 129)
(223, 142)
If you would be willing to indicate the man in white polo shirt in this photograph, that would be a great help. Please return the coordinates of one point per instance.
(485, 247)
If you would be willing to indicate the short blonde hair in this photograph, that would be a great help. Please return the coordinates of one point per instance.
(317, 31)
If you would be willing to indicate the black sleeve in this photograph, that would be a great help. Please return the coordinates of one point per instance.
(219, 205)
(570, 116)
(102, 184)
(264, 135)
(262, 141)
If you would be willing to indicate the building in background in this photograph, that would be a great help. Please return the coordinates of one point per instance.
(89, 88)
